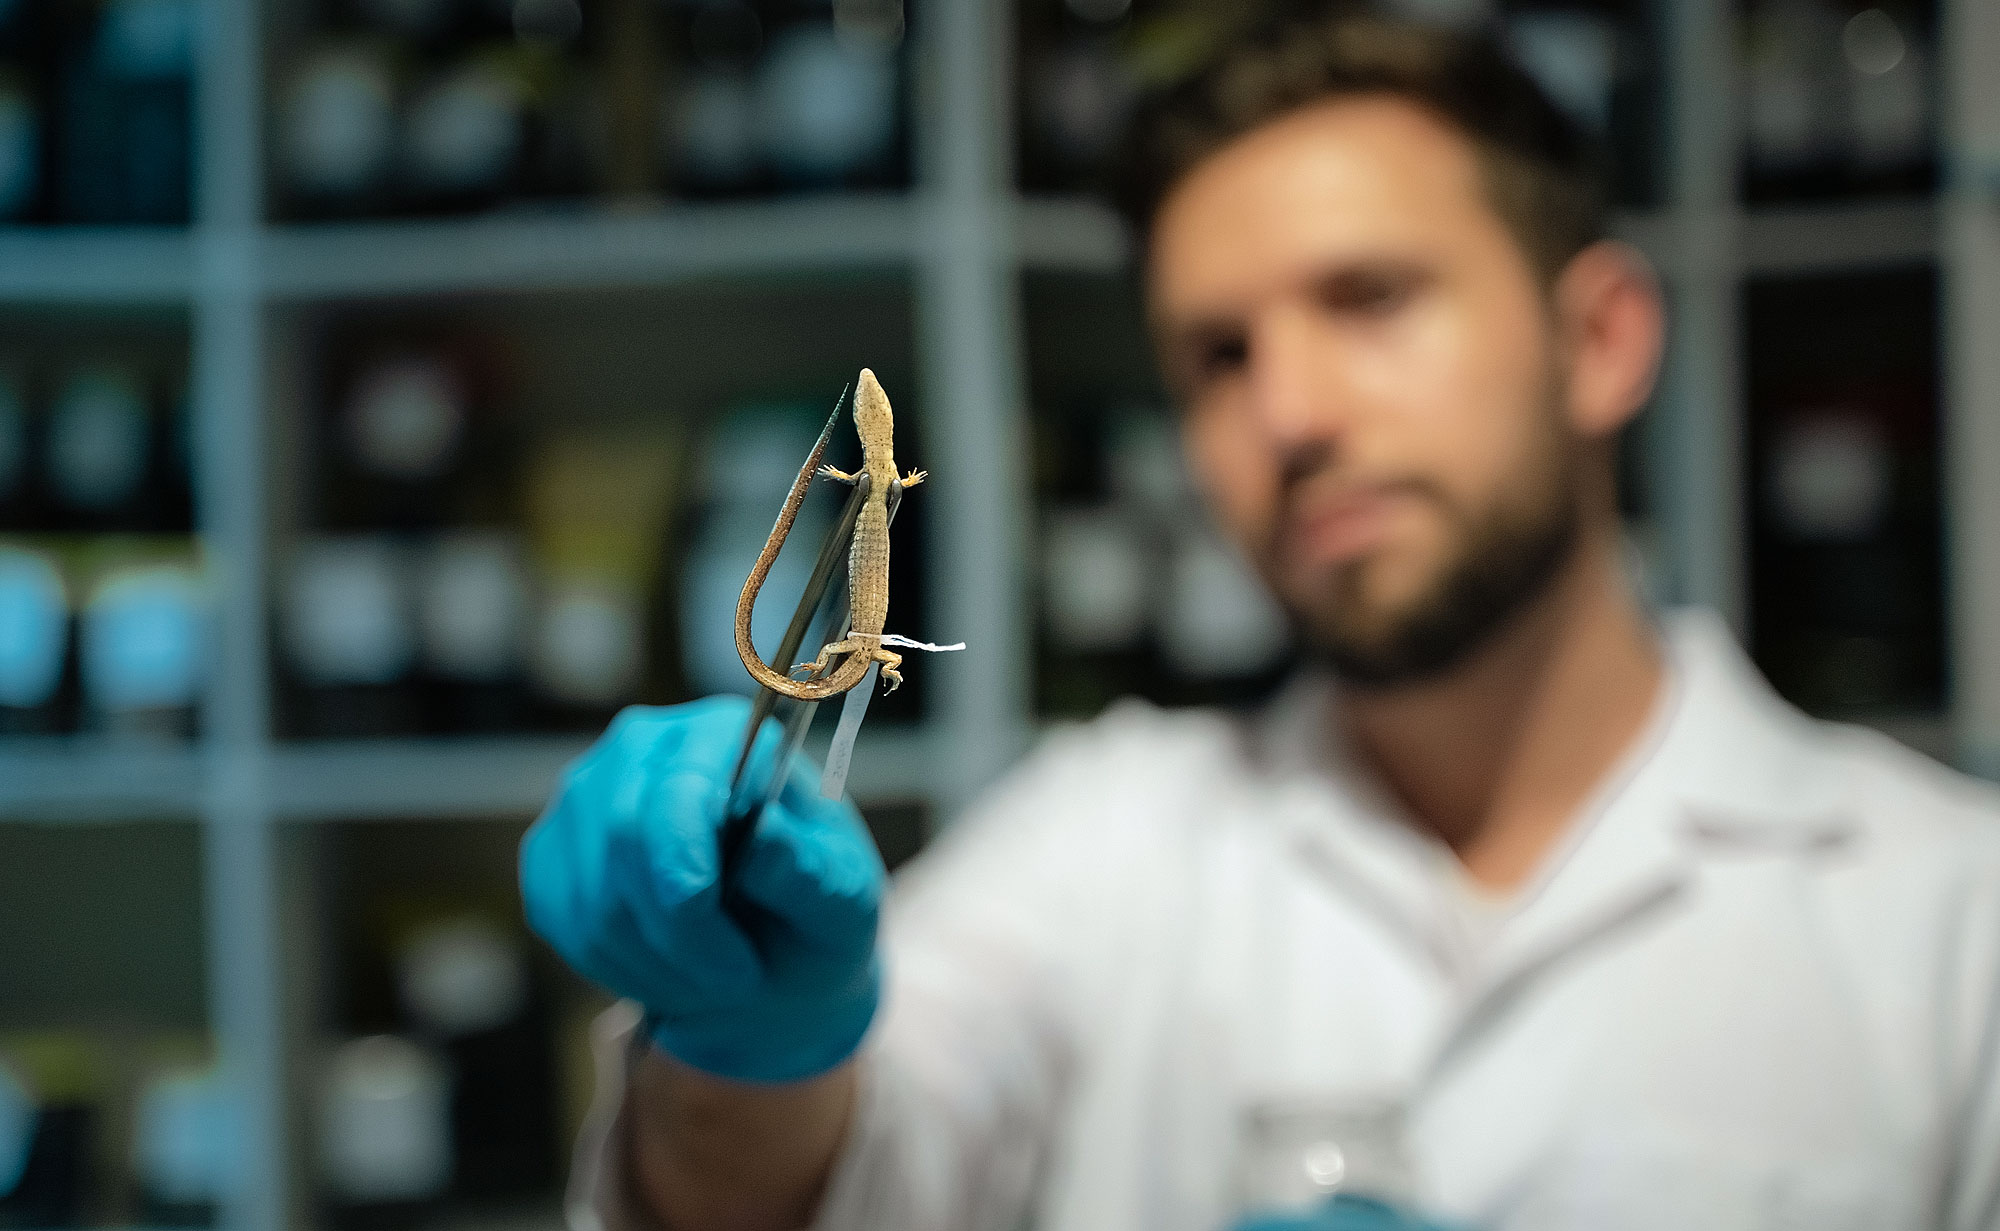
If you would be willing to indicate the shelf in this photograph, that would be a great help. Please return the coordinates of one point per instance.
(1080, 236)
(589, 250)
(95, 265)
(1838, 238)
(63, 778)
(512, 776)
(1070, 234)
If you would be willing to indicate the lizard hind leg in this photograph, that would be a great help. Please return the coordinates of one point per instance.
(889, 659)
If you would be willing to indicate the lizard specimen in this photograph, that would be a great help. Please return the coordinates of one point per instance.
(867, 561)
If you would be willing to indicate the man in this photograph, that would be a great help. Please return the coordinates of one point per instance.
(1515, 910)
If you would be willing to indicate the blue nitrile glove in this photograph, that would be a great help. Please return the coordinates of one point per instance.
(1346, 1212)
(620, 877)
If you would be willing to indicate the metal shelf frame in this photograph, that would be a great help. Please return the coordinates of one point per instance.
(965, 237)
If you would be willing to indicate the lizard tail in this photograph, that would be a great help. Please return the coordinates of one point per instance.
(852, 670)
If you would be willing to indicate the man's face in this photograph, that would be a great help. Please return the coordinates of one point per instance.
(1370, 384)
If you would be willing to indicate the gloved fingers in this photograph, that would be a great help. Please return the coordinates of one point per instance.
(561, 873)
(703, 738)
(818, 875)
(665, 871)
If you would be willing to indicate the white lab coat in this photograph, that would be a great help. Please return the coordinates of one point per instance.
(1759, 987)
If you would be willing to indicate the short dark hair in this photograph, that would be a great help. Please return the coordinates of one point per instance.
(1545, 175)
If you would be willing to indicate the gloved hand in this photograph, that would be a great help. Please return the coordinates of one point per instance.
(620, 876)
(1345, 1212)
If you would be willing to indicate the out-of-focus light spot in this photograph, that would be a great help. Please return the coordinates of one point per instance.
(1872, 42)
(1100, 10)
(877, 22)
(555, 20)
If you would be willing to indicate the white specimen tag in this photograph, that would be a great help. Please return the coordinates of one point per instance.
(905, 643)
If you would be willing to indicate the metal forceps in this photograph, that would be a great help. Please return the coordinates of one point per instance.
(825, 586)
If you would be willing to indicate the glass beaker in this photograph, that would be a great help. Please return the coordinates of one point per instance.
(1294, 1156)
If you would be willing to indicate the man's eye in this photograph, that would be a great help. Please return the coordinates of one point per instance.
(1217, 357)
(1369, 292)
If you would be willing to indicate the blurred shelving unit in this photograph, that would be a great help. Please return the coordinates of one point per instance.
(962, 236)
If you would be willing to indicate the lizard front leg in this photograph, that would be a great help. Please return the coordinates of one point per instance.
(913, 478)
(838, 476)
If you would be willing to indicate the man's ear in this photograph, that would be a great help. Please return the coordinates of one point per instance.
(1612, 328)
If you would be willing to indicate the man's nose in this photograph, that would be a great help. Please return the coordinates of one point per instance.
(1293, 398)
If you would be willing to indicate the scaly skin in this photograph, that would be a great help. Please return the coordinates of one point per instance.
(867, 562)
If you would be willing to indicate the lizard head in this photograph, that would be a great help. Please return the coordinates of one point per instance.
(871, 409)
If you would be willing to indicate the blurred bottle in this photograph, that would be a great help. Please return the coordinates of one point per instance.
(383, 1140)
(349, 639)
(1218, 623)
(784, 97)
(465, 134)
(122, 132)
(598, 510)
(473, 608)
(20, 147)
(402, 454)
(17, 1129)
(65, 1080)
(749, 461)
(464, 985)
(825, 103)
(110, 459)
(1839, 99)
(709, 131)
(184, 1143)
(18, 502)
(34, 642)
(1140, 594)
(144, 643)
(334, 128)
(1846, 545)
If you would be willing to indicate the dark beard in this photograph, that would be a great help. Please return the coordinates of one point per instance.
(1505, 561)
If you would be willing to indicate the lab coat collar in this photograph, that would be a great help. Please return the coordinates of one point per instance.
(1722, 763)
